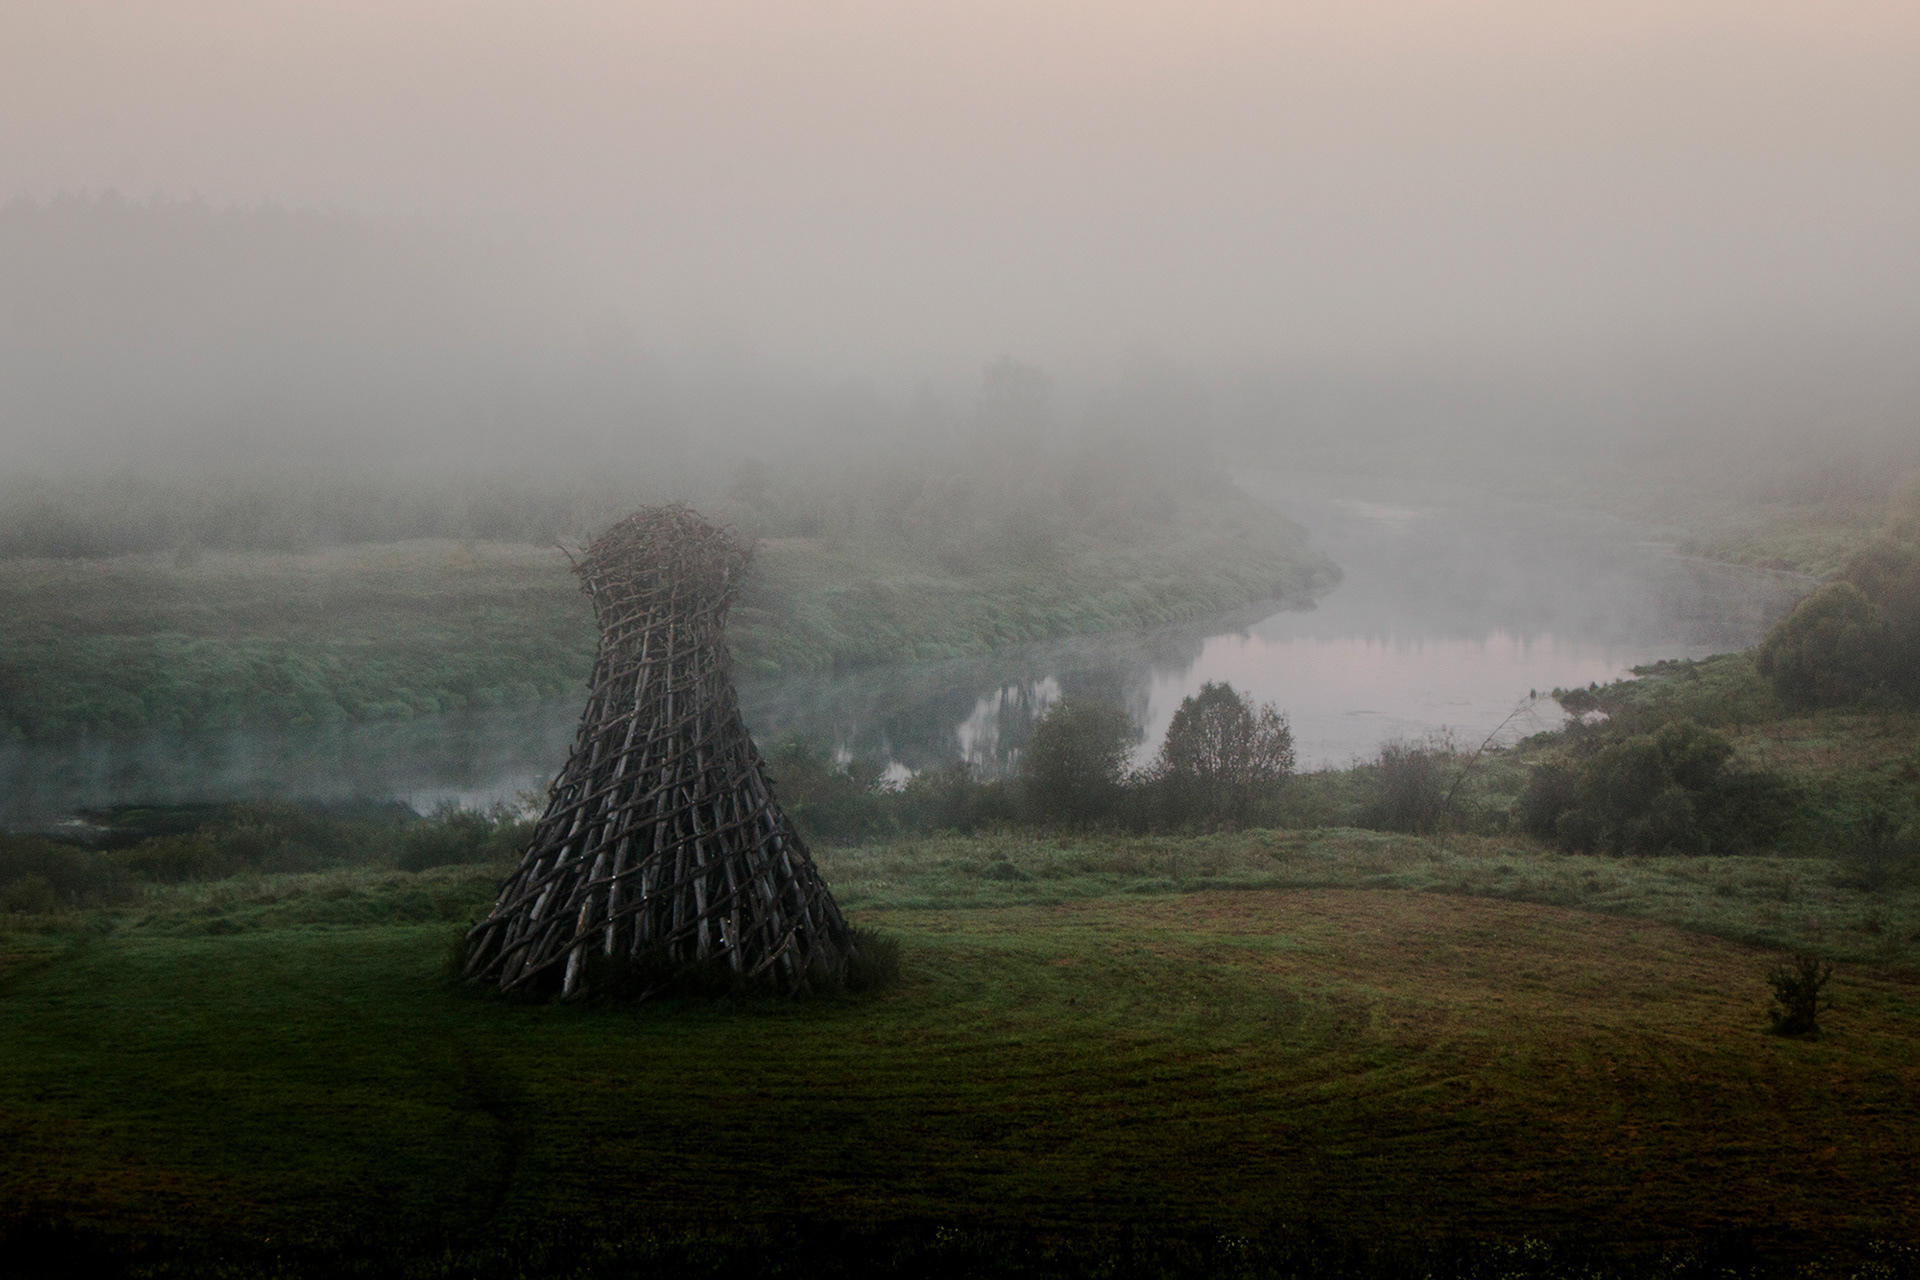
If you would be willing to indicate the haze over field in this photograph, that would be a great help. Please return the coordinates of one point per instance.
(498, 232)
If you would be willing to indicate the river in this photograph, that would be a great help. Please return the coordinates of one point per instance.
(1456, 607)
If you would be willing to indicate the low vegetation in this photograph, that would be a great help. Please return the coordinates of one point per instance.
(1798, 987)
(229, 639)
(1686, 758)
(194, 638)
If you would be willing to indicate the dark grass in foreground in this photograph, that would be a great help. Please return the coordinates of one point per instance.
(1184, 1039)
(579, 1251)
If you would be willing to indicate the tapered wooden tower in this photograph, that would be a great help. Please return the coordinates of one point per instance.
(661, 840)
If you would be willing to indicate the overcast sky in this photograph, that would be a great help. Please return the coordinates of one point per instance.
(895, 189)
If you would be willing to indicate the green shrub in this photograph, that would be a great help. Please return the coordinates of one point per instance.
(1797, 987)
(1879, 853)
(1075, 765)
(176, 859)
(1660, 792)
(452, 836)
(842, 801)
(38, 875)
(1412, 785)
(1833, 649)
(1745, 811)
(951, 798)
(1857, 639)
(1552, 789)
(28, 894)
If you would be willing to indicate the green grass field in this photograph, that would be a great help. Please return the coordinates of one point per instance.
(218, 640)
(135, 643)
(1216, 1033)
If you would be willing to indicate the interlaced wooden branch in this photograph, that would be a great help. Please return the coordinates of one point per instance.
(661, 840)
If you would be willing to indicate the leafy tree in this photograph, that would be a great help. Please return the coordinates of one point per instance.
(1834, 648)
(1858, 638)
(1074, 767)
(1222, 754)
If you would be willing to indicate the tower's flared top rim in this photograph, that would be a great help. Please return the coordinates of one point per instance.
(667, 546)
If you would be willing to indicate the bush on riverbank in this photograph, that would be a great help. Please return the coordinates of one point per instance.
(1669, 791)
(1856, 640)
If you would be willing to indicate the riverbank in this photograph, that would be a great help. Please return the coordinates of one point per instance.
(379, 632)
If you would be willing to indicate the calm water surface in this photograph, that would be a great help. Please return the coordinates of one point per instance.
(1455, 607)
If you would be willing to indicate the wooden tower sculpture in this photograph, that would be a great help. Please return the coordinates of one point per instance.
(661, 841)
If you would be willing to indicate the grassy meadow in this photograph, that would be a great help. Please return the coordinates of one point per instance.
(1356, 1035)
(224, 639)
(130, 643)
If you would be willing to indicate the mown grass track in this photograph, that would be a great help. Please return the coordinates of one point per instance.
(1374, 1061)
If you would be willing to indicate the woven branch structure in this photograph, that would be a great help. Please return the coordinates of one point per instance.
(661, 841)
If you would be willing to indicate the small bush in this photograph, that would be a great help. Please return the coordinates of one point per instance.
(1075, 766)
(953, 799)
(1831, 650)
(1552, 789)
(827, 799)
(1879, 855)
(1412, 778)
(1668, 791)
(452, 836)
(29, 895)
(1797, 986)
(1749, 810)
(1856, 640)
(38, 875)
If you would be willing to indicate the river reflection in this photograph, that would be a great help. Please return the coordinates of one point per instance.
(1455, 606)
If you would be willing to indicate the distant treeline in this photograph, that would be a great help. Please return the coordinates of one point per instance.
(1642, 768)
